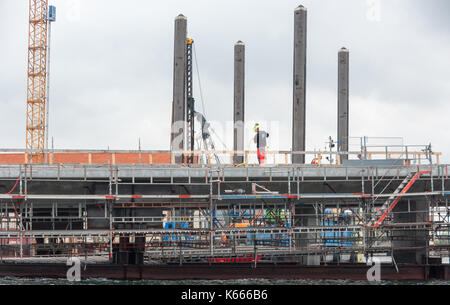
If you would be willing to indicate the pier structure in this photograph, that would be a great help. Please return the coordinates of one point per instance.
(195, 211)
(211, 213)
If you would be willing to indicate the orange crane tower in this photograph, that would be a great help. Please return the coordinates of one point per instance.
(37, 80)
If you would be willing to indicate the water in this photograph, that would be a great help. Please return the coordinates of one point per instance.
(47, 281)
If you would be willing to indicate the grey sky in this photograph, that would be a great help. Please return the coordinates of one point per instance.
(112, 69)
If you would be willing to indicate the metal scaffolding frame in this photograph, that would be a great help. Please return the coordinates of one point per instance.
(220, 220)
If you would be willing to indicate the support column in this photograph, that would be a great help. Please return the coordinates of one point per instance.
(416, 211)
(299, 102)
(131, 248)
(343, 93)
(178, 127)
(239, 101)
(306, 217)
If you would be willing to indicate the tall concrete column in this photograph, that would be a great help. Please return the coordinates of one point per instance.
(178, 127)
(299, 102)
(343, 92)
(239, 102)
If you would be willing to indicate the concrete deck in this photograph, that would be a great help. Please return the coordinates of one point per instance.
(67, 171)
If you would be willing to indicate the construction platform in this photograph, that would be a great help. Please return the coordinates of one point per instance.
(191, 216)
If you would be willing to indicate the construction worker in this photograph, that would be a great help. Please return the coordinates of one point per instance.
(261, 143)
(348, 215)
(224, 240)
(316, 161)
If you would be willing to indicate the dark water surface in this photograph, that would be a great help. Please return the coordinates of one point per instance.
(46, 281)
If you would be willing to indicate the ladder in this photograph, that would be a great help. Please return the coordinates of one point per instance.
(395, 198)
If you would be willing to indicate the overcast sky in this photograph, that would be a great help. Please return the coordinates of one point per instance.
(112, 65)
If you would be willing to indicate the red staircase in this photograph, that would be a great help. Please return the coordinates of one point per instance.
(392, 201)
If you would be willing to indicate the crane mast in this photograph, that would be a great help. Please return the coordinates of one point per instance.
(191, 114)
(190, 101)
(37, 80)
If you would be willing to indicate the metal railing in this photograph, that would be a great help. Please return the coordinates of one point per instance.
(405, 153)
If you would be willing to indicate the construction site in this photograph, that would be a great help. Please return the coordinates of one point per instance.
(196, 212)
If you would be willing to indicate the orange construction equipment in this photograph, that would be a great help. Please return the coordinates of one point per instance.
(257, 216)
(37, 78)
(224, 239)
(239, 225)
(317, 160)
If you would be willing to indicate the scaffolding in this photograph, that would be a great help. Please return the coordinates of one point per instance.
(305, 214)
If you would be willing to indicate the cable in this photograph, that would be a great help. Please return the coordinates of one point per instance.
(202, 99)
(220, 140)
(12, 190)
(199, 82)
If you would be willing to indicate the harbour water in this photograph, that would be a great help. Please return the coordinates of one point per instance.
(47, 281)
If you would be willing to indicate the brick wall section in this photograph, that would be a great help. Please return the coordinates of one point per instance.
(161, 158)
(128, 159)
(12, 158)
(100, 158)
(96, 158)
(71, 158)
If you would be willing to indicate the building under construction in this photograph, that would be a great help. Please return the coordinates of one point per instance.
(197, 212)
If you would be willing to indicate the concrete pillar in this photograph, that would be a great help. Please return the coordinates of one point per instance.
(239, 102)
(130, 252)
(299, 102)
(178, 128)
(414, 211)
(306, 217)
(343, 92)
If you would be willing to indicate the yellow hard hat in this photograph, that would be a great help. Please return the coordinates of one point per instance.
(256, 126)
